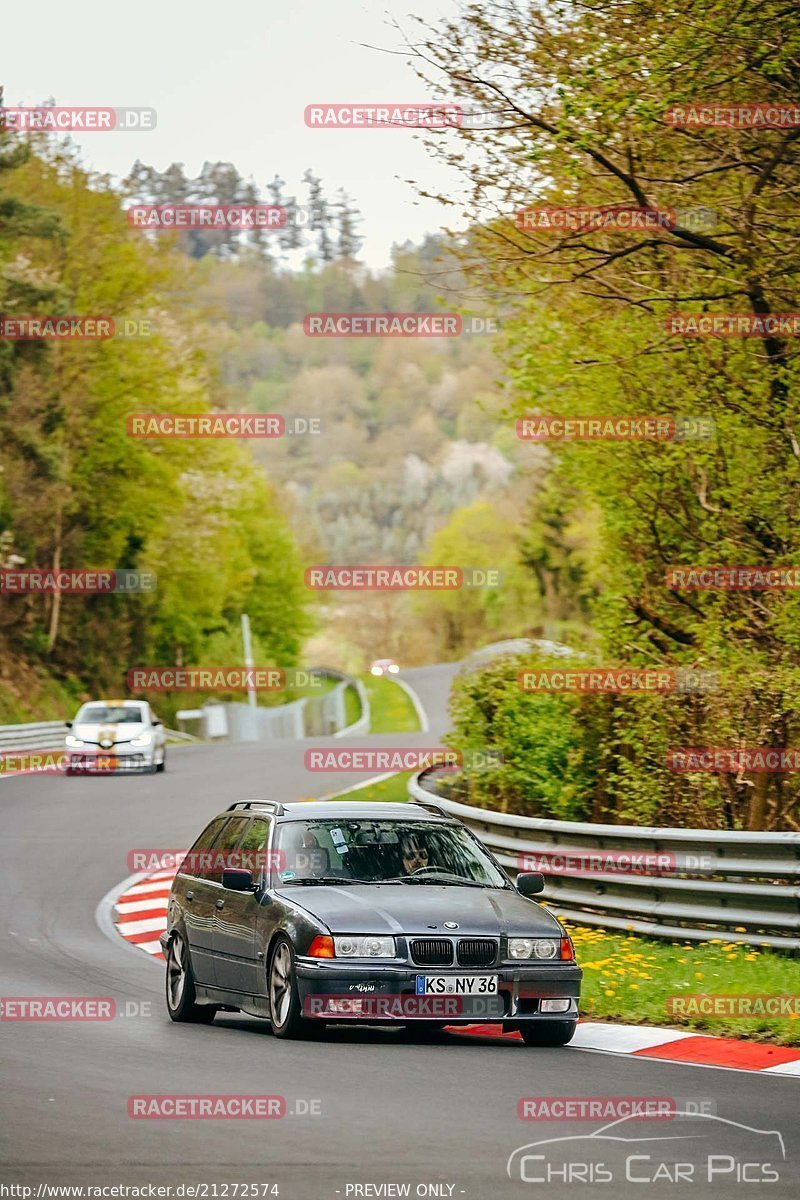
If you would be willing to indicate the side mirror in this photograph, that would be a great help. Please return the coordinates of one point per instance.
(68, 724)
(156, 722)
(237, 880)
(530, 883)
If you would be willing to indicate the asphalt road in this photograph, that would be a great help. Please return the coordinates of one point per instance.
(392, 1109)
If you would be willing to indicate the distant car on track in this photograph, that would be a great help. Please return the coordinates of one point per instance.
(384, 666)
(115, 737)
(321, 912)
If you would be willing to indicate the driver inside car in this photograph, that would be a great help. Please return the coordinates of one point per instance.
(414, 853)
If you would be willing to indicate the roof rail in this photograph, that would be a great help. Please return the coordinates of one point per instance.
(276, 808)
(431, 806)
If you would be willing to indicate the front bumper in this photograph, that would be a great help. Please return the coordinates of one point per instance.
(119, 760)
(380, 993)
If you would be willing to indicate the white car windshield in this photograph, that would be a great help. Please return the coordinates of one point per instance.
(105, 714)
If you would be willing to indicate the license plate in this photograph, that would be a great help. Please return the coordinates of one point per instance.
(456, 985)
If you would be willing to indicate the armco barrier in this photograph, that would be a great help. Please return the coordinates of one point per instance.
(311, 716)
(738, 885)
(49, 735)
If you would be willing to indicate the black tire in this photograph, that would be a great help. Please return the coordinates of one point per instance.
(285, 1009)
(162, 766)
(548, 1033)
(181, 995)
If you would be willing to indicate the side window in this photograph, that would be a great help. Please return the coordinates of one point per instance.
(228, 840)
(253, 848)
(192, 864)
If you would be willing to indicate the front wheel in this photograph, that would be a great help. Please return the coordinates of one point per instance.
(162, 766)
(181, 995)
(285, 1010)
(548, 1033)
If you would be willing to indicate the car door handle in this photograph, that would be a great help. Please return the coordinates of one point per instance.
(190, 895)
(220, 904)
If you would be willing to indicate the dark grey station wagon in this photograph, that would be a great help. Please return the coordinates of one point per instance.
(324, 912)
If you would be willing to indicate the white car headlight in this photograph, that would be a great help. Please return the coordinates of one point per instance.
(144, 739)
(364, 947)
(74, 741)
(393, 669)
(376, 671)
(534, 947)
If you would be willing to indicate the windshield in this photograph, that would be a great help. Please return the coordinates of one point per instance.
(407, 852)
(106, 714)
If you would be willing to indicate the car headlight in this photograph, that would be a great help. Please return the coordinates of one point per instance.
(364, 947)
(393, 669)
(144, 739)
(534, 947)
(74, 741)
(376, 670)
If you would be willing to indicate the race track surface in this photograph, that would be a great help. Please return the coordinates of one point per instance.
(392, 1109)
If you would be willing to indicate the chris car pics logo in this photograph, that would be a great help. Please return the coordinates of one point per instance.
(695, 1148)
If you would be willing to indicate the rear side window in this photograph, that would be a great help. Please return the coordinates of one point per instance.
(228, 840)
(206, 839)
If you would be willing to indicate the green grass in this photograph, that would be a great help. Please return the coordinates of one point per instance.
(390, 707)
(631, 979)
(387, 791)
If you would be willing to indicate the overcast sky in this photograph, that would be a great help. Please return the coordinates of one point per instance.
(230, 82)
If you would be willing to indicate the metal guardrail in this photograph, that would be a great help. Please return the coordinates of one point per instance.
(38, 735)
(311, 716)
(363, 723)
(49, 735)
(740, 886)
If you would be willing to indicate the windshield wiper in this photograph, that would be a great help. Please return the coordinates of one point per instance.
(420, 879)
(309, 879)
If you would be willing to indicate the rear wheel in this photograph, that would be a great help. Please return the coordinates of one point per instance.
(181, 995)
(548, 1033)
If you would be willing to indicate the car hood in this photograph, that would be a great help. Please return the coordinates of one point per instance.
(422, 909)
(92, 731)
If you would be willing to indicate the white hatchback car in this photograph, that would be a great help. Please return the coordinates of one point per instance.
(116, 737)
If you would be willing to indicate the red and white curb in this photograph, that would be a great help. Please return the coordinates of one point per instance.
(141, 911)
(141, 915)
